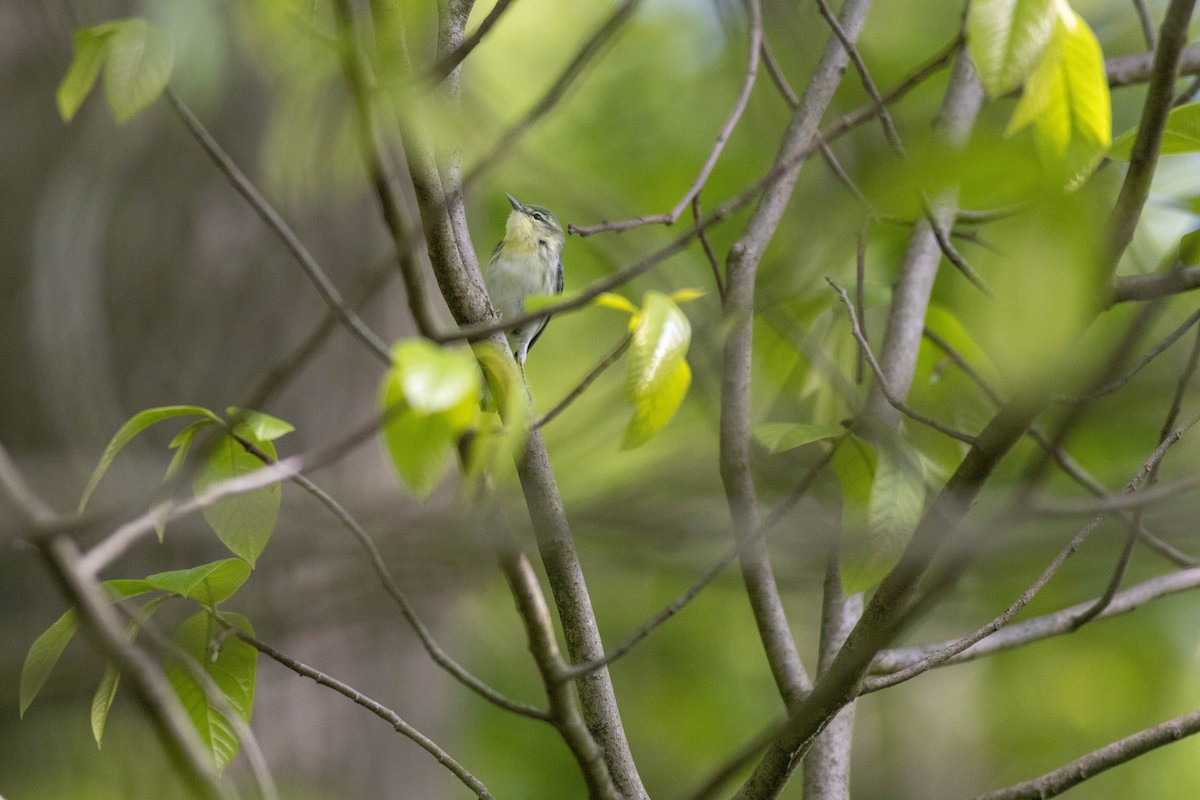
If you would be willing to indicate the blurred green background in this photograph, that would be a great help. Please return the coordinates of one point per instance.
(132, 275)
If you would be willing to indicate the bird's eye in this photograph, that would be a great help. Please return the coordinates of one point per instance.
(539, 217)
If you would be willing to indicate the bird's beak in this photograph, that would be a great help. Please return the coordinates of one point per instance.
(515, 204)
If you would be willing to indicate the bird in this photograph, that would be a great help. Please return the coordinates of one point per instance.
(527, 261)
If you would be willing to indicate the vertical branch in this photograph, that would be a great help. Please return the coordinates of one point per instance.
(1160, 96)
(741, 271)
(910, 296)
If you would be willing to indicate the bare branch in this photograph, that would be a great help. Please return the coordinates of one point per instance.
(378, 709)
(741, 275)
(1135, 69)
(539, 630)
(450, 61)
(29, 505)
(708, 250)
(1160, 96)
(582, 386)
(1147, 24)
(268, 214)
(1060, 780)
(896, 402)
(671, 217)
(1152, 287)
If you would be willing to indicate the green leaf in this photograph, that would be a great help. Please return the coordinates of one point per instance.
(428, 399)
(231, 664)
(106, 692)
(780, 436)
(883, 496)
(138, 423)
(208, 584)
(1182, 134)
(91, 45)
(499, 438)
(658, 374)
(102, 701)
(1066, 99)
(244, 522)
(138, 67)
(897, 495)
(125, 588)
(1005, 38)
(260, 427)
(43, 655)
(434, 378)
(1189, 249)
(617, 303)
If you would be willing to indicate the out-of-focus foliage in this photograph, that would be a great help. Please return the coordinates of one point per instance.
(139, 279)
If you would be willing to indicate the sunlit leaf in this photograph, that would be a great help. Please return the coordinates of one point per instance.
(261, 427)
(209, 584)
(230, 663)
(245, 521)
(1182, 134)
(138, 423)
(686, 295)
(780, 436)
(616, 302)
(428, 399)
(1066, 99)
(1005, 38)
(44, 654)
(658, 375)
(90, 49)
(138, 66)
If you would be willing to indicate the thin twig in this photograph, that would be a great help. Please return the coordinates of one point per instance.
(671, 217)
(1153, 353)
(1081, 769)
(896, 402)
(1143, 14)
(449, 62)
(439, 656)
(580, 387)
(378, 709)
(266, 212)
(705, 578)
(880, 107)
(708, 249)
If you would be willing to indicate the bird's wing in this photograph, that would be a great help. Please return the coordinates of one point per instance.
(558, 289)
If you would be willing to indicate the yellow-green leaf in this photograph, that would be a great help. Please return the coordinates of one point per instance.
(428, 399)
(1005, 39)
(1066, 99)
(208, 584)
(616, 302)
(658, 376)
(138, 66)
(90, 49)
(261, 427)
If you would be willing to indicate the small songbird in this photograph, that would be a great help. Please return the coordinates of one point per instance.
(527, 261)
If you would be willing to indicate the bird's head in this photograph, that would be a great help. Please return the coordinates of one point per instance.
(532, 227)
